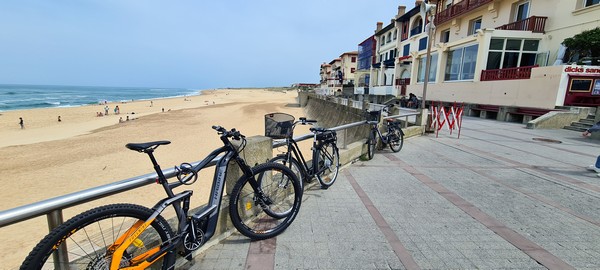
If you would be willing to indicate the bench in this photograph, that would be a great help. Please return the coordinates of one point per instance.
(485, 111)
(524, 115)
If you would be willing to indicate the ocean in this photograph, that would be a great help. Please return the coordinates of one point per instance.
(20, 97)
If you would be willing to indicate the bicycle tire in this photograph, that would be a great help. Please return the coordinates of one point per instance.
(329, 158)
(396, 139)
(88, 234)
(371, 143)
(293, 164)
(258, 220)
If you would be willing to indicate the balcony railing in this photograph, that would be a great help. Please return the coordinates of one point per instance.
(534, 24)
(405, 81)
(516, 73)
(458, 9)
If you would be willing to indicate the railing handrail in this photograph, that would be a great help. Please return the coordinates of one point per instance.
(29, 211)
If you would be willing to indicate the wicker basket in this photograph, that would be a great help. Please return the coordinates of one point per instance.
(279, 125)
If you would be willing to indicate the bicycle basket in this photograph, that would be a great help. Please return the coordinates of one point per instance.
(374, 116)
(279, 125)
(329, 136)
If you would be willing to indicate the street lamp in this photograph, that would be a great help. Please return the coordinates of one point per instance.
(427, 11)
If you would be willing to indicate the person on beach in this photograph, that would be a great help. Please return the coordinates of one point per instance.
(106, 110)
(21, 123)
(588, 132)
(121, 119)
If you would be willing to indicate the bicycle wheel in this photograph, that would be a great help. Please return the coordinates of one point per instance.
(371, 143)
(87, 237)
(328, 164)
(264, 218)
(396, 139)
(291, 163)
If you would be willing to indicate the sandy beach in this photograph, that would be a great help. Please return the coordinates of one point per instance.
(49, 158)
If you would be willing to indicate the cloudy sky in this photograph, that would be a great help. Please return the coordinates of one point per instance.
(197, 44)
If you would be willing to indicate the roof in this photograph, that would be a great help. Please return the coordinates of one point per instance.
(385, 29)
(349, 53)
(406, 17)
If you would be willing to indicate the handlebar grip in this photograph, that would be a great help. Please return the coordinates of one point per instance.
(311, 121)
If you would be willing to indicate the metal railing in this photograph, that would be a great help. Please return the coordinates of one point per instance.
(53, 207)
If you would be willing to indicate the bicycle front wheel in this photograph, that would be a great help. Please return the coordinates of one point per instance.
(328, 162)
(371, 142)
(396, 139)
(265, 213)
(86, 239)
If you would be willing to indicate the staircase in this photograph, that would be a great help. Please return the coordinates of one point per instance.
(582, 124)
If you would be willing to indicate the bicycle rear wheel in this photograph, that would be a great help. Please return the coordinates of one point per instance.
(396, 139)
(87, 237)
(261, 217)
(371, 143)
(291, 163)
(328, 161)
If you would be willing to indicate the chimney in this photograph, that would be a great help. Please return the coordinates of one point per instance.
(379, 27)
(401, 10)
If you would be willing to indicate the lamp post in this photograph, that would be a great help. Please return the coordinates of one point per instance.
(425, 10)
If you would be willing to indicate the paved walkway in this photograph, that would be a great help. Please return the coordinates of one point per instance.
(497, 198)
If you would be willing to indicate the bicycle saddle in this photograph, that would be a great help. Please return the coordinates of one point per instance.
(143, 147)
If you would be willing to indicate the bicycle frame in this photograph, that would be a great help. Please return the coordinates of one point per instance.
(292, 147)
(181, 203)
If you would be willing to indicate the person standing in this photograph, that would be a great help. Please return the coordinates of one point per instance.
(588, 132)
(21, 123)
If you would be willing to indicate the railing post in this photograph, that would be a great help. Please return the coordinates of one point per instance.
(55, 218)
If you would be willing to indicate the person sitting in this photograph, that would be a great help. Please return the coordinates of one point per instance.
(413, 101)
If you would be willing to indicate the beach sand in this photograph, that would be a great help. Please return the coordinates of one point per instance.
(49, 158)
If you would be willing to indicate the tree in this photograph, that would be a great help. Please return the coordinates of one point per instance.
(585, 45)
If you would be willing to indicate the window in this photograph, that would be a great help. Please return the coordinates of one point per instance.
(432, 68)
(445, 36)
(382, 40)
(406, 50)
(521, 11)
(423, 44)
(353, 59)
(352, 70)
(474, 25)
(581, 85)
(395, 34)
(508, 53)
(460, 64)
(389, 38)
(591, 2)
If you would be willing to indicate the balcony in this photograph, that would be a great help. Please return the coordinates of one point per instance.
(458, 9)
(389, 62)
(516, 73)
(534, 24)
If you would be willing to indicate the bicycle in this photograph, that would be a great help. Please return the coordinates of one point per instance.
(325, 163)
(394, 137)
(264, 202)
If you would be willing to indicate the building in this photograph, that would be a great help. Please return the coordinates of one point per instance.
(500, 52)
(337, 77)
(366, 58)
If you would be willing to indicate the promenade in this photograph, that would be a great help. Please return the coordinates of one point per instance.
(497, 198)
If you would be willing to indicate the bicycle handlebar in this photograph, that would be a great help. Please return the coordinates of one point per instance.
(233, 133)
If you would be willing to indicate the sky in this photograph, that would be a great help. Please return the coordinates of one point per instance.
(197, 44)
